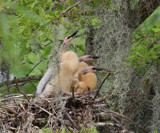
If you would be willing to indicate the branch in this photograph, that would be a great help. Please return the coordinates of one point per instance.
(10, 12)
(143, 37)
(142, 10)
(15, 79)
(102, 84)
(15, 97)
(73, 93)
(43, 109)
(99, 124)
(69, 118)
(23, 79)
(151, 45)
(69, 8)
(126, 118)
(35, 66)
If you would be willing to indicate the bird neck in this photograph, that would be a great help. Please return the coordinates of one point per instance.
(80, 75)
(81, 59)
(63, 48)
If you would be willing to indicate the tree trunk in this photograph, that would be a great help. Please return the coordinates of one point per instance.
(112, 42)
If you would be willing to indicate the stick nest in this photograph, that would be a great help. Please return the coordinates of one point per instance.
(58, 111)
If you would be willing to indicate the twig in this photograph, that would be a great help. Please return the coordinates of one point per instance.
(9, 109)
(106, 124)
(118, 122)
(69, 118)
(102, 84)
(12, 97)
(15, 79)
(35, 67)
(69, 8)
(10, 12)
(24, 79)
(73, 93)
(43, 109)
(136, 102)
(142, 37)
(151, 45)
(122, 116)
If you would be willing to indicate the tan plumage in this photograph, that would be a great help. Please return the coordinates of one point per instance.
(63, 80)
(79, 87)
(69, 63)
(83, 64)
(88, 76)
(87, 80)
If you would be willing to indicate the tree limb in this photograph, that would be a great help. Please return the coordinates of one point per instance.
(15, 80)
(23, 79)
(102, 84)
(9, 12)
(142, 10)
(69, 8)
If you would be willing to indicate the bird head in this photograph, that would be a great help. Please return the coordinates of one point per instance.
(88, 58)
(68, 39)
(91, 69)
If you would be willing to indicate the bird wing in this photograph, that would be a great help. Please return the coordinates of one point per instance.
(47, 76)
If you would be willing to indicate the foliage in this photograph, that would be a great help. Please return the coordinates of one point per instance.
(30, 29)
(84, 130)
(146, 42)
(91, 130)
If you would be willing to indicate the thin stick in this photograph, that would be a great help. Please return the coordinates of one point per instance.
(15, 79)
(102, 84)
(69, 8)
(122, 116)
(24, 79)
(73, 93)
(43, 109)
(69, 118)
(34, 67)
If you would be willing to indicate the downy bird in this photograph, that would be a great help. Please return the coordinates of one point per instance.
(83, 64)
(79, 87)
(69, 64)
(88, 76)
(87, 80)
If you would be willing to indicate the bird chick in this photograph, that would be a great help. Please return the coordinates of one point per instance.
(83, 64)
(79, 87)
(88, 76)
(87, 80)
(69, 64)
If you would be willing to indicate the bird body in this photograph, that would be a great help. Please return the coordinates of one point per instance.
(79, 87)
(83, 64)
(44, 80)
(90, 79)
(69, 63)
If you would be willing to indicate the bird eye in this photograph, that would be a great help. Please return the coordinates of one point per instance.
(94, 68)
(68, 37)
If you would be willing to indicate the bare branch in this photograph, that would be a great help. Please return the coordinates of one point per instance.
(102, 84)
(35, 66)
(15, 79)
(69, 8)
(69, 118)
(24, 79)
(10, 12)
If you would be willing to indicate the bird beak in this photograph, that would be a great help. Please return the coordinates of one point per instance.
(98, 69)
(72, 35)
(94, 57)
